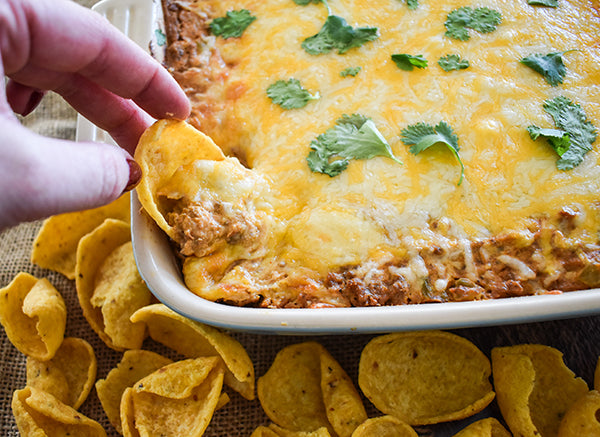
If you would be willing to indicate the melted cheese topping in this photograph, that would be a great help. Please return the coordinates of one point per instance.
(378, 205)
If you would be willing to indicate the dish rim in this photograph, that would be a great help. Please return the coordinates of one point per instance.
(158, 267)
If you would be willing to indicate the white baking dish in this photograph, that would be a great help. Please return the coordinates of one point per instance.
(159, 267)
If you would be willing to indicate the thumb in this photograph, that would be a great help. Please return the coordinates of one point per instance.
(42, 176)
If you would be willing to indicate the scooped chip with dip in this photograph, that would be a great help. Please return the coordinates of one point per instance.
(534, 388)
(276, 431)
(425, 377)
(489, 427)
(134, 365)
(55, 245)
(582, 419)
(384, 426)
(306, 389)
(34, 316)
(194, 339)
(162, 150)
(109, 286)
(38, 413)
(176, 400)
(69, 375)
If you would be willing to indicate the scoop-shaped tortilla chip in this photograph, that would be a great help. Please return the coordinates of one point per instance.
(109, 287)
(163, 148)
(306, 389)
(425, 377)
(38, 413)
(134, 365)
(583, 418)
(534, 388)
(489, 427)
(69, 375)
(276, 431)
(55, 245)
(384, 426)
(34, 316)
(194, 339)
(179, 399)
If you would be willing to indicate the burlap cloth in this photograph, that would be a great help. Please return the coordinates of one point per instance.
(578, 339)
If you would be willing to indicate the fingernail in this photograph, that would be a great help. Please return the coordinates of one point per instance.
(34, 100)
(135, 175)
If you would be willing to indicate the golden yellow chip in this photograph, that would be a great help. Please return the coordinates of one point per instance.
(40, 414)
(34, 316)
(194, 339)
(306, 389)
(425, 377)
(276, 431)
(55, 246)
(109, 286)
(69, 375)
(134, 365)
(176, 400)
(534, 388)
(582, 419)
(489, 427)
(384, 426)
(162, 149)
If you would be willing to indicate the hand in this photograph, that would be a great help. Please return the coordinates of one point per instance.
(61, 46)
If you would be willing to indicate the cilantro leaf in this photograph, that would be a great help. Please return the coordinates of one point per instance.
(412, 4)
(421, 136)
(460, 20)
(337, 34)
(558, 139)
(161, 38)
(550, 3)
(550, 66)
(570, 118)
(353, 137)
(453, 62)
(290, 94)
(306, 2)
(409, 62)
(233, 24)
(350, 71)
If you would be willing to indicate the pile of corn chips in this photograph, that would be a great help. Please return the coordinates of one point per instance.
(146, 393)
(411, 379)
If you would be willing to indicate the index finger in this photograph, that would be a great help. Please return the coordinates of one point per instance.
(66, 37)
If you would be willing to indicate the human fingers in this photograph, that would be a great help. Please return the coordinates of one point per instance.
(42, 176)
(66, 37)
(120, 117)
(23, 99)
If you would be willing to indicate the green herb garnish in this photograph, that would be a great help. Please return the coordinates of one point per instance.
(353, 137)
(422, 136)
(575, 134)
(453, 62)
(290, 94)
(460, 20)
(161, 38)
(550, 66)
(233, 24)
(305, 2)
(350, 71)
(549, 3)
(409, 62)
(412, 4)
(337, 34)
